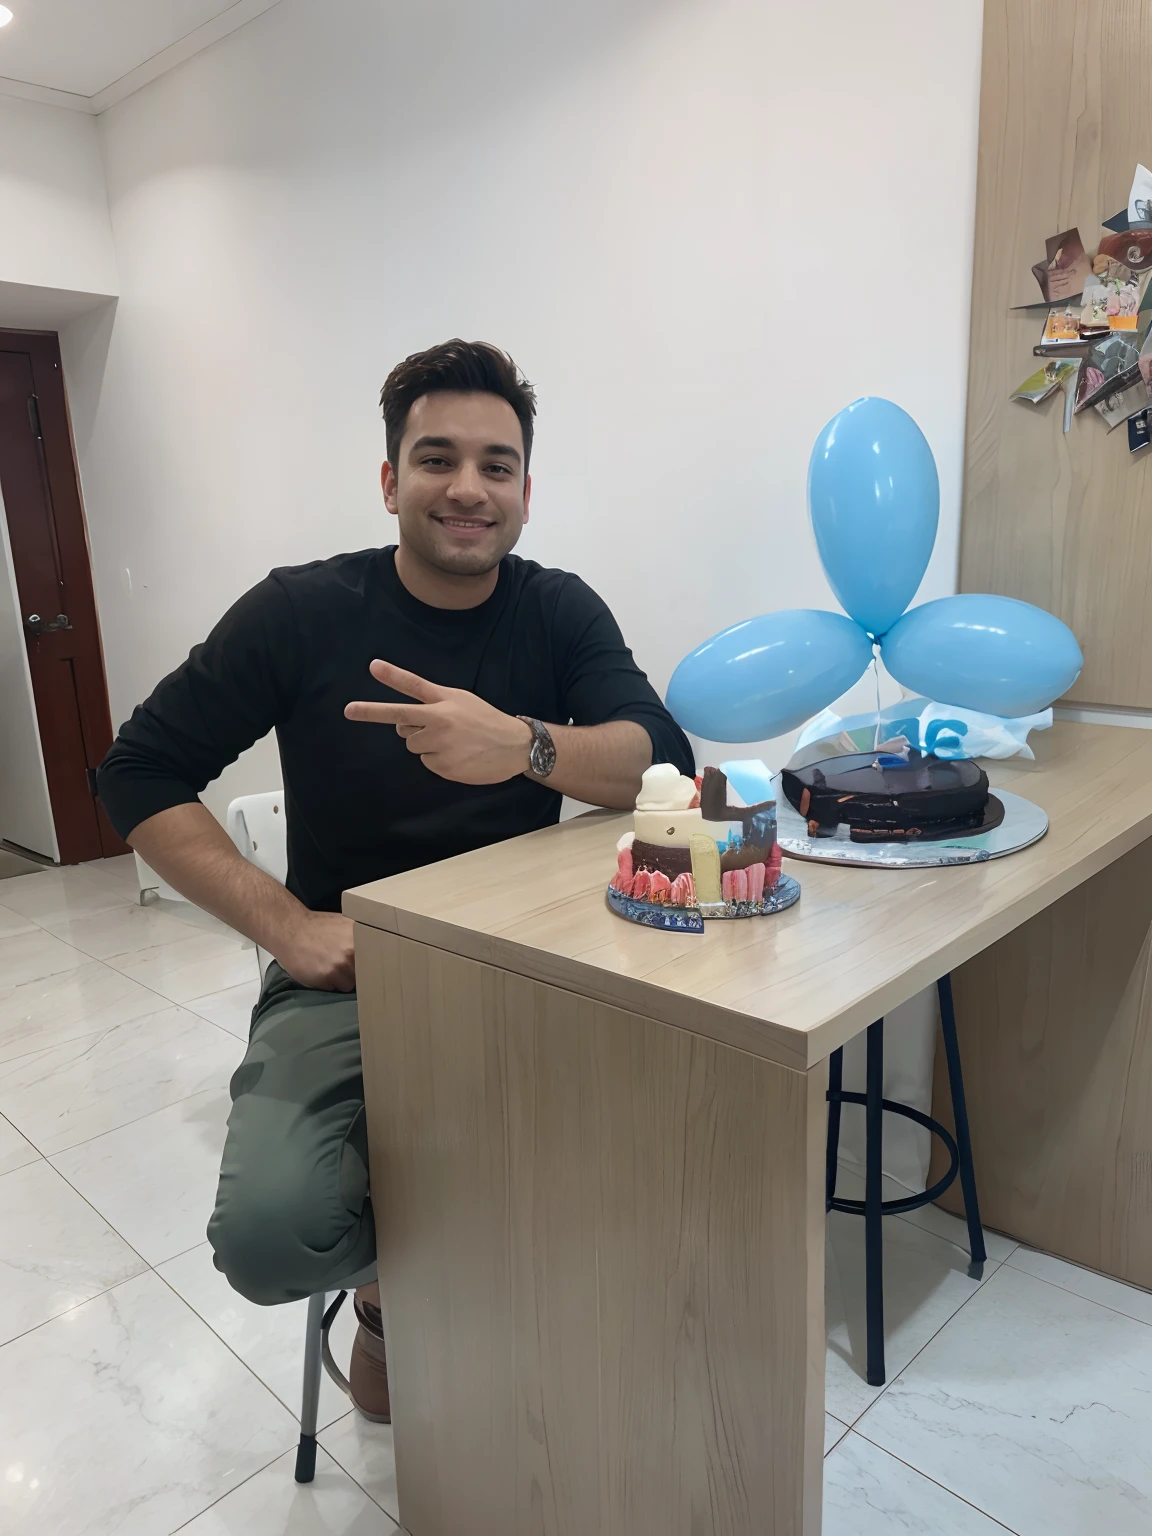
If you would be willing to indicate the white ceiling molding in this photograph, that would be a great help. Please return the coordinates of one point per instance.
(230, 20)
(47, 94)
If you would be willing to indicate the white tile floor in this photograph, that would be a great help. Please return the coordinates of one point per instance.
(140, 1396)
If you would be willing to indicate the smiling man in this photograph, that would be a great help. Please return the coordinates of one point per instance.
(428, 698)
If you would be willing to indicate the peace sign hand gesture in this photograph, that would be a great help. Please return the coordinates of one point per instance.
(454, 733)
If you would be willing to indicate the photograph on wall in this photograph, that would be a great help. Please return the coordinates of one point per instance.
(1094, 310)
(1065, 269)
(1125, 292)
(1062, 328)
(1045, 381)
(1140, 198)
(1133, 247)
(1111, 366)
(1117, 407)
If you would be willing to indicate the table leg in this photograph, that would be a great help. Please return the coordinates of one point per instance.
(601, 1245)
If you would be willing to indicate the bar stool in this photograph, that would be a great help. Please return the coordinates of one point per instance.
(872, 1207)
(317, 1356)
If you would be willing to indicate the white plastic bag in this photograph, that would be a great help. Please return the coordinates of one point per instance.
(944, 729)
(964, 733)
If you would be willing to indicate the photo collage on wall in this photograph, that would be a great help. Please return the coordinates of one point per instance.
(1097, 340)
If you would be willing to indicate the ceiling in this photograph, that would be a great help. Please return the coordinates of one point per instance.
(88, 54)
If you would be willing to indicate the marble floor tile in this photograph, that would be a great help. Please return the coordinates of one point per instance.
(365, 1452)
(1034, 1405)
(1129, 1299)
(121, 930)
(833, 1431)
(232, 1008)
(56, 1251)
(120, 873)
(15, 1151)
(187, 968)
(34, 955)
(954, 1229)
(869, 1493)
(193, 916)
(155, 1180)
(74, 1092)
(269, 1340)
(273, 1504)
(925, 1281)
(127, 1417)
(76, 891)
(38, 1015)
(13, 922)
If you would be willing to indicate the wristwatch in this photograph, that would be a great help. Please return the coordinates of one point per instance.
(542, 758)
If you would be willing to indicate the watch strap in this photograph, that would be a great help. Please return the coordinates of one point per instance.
(542, 757)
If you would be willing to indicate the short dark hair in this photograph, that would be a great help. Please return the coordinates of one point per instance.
(467, 366)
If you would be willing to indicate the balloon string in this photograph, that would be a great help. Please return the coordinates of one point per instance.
(876, 674)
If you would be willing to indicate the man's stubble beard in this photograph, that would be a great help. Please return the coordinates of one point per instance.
(459, 562)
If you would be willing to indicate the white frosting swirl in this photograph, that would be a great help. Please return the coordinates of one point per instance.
(665, 788)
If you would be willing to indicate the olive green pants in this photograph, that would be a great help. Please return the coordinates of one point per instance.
(292, 1211)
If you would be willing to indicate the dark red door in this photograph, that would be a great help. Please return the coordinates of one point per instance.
(54, 581)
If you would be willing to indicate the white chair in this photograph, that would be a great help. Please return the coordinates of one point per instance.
(258, 825)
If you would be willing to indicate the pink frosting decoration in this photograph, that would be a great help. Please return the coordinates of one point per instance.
(772, 871)
(739, 885)
(726, 885)
(641, 884)
(683, 891)
(660, 888)
(624, 864)
(755, 882)
(621, 883)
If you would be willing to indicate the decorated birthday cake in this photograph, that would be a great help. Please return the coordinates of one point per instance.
(705, 847)
(886, 796)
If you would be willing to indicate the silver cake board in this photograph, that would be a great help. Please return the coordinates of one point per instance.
(1023, 824)
(653, 914)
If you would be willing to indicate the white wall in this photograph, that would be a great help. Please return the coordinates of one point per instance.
(701, 226)
(54, 228)
(56, 262)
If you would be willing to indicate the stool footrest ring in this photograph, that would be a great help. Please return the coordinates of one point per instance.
(910, 1202)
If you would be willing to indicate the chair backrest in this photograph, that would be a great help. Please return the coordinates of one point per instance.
(258, 826)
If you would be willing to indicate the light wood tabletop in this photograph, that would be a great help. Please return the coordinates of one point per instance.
(793, 987)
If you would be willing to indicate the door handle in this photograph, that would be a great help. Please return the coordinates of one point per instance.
(40, 626)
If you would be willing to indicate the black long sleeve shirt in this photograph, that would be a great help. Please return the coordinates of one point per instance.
(293, 651)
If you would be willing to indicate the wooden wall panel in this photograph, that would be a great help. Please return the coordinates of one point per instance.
(1061, 521)
(1055, 1028)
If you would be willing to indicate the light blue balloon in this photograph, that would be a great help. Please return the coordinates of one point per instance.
(874, 499)
(767, 675)
(978, 651)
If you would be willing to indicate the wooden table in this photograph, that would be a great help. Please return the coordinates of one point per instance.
(598, 1149)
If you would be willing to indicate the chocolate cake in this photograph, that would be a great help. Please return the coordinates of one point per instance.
(885, 797)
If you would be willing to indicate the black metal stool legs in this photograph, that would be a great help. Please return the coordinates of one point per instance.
(835, 1088)
(963, 1138)
(874, 1207)
(874, 1204)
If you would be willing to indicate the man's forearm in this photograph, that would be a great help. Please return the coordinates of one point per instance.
(188, 848)
(600, 764)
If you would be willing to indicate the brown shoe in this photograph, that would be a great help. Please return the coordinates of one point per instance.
(368, 1372)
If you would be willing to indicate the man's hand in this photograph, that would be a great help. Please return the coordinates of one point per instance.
(453, 732)
(317, 952)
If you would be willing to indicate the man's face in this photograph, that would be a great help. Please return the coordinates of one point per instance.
(459, 488)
